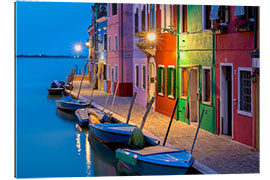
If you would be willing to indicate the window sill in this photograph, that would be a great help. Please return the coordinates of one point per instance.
(160, 94)
(207, 103)
(249, 114)
(183, 97)
(171, 97)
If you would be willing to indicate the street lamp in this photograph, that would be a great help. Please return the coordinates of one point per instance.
(78, 47)
(151, 36)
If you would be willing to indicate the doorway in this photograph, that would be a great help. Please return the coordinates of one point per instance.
(152, 80)
(226, 116)
(193, 94)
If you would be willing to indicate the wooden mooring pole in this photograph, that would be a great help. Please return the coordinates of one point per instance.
(130, 107)
(146, 112)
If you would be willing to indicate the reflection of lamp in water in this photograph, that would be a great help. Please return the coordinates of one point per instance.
(78, 143)
(87, 154)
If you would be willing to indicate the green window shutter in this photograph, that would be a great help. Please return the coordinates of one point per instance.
(158, 79)
(173, 82)
(163, 85)
(168, 81)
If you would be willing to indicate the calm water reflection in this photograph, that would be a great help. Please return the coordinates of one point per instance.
(47, 141)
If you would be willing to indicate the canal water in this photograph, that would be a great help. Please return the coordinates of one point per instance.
(48, 140)
(48, 143)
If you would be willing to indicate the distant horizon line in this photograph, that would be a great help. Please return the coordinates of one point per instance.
(44, 55)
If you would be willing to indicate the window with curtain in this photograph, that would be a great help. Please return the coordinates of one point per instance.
(207, 21)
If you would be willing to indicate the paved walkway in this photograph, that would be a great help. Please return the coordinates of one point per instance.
(213, 154)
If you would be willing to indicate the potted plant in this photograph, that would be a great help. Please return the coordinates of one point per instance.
(243, 25)
(219, 28)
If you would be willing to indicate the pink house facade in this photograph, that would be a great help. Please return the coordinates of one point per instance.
(120, 46)
(140, 69)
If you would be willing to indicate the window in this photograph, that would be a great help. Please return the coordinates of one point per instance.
(207, 21)
(115, 42)
(244, 91)
(184, 18)
(206, 85)
(114, 9)
(224, 14)
(152, 16)
(143, 76)
(160, 80)
(109, 42)
(104, 72)
(137, 76)
(167, 16)
(143, 19)
(184, 82)
(109, 10)
(92, 41)
(105, 42)
(249, 13)
(99, 45)
(109, 72)
(137, 21)
(171, 82)
(116, 73)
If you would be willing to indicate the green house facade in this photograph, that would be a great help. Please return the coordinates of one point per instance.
(196, 67)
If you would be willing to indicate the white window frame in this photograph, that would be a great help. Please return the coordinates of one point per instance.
(143, 65)
(109, 72)
(135, 75)
(109, 43)
(172, 67)
(115, 73)
(203, 85)
(163, 79)
(115, 42)
(250, 114)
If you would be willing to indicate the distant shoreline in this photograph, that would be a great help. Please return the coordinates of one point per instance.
(48, 56)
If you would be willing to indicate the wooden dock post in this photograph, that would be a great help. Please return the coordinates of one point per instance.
(130, 108)
(147, 111)
(116, 89)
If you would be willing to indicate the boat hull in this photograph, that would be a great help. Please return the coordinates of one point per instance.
(71, 106)
(159, 160)
(55, 90)
(108, 136)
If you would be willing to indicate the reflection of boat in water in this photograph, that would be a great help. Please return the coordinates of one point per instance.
(65, 115)
(104, 160)
(55, 96)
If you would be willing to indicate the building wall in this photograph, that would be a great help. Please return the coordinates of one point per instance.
(124, 67)
(233, 47)
(140, 59)
(165, 55)
(196, 49)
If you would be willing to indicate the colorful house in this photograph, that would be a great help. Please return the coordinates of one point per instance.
(101, 27)
(91, 33)
(237, 73)
(165, 58)
(196, 72)
(119, 48)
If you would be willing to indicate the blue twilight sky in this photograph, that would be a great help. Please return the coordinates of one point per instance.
(51, 28)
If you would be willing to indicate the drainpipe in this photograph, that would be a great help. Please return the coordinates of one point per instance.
(122, 56)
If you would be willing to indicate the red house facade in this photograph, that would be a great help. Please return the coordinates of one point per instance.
(235, 40)
(165, 58)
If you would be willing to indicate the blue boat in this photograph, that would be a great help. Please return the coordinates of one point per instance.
(89, 115)
(118, 132)
(156, 160)
(57, 87)
(71, 104)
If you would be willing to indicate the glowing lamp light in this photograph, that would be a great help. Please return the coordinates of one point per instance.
(78, 47)
(87, 44)
(151, 36)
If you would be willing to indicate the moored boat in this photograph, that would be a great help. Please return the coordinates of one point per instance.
(156, 160)
(57, 87)
(72, 104)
